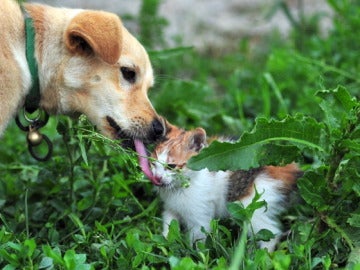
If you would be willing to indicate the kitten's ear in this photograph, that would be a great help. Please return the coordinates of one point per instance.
(198, 139)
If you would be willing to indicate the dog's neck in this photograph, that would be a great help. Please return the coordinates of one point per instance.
(48, 62)
(33, 98)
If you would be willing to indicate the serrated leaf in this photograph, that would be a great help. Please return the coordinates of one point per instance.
(336, 105)
(249, 151)
(284, 154)
(312, 188)
(353, 145)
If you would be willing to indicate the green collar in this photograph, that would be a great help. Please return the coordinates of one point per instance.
(33, 98)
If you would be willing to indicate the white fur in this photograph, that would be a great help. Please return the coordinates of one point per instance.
(197, 204)
(20, 58)
(266, 217)
(205, 199)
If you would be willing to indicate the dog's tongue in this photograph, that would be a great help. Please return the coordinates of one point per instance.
(144, 162)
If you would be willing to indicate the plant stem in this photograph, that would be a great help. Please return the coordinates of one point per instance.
(26, 214)
(240, 249)
(71, 165)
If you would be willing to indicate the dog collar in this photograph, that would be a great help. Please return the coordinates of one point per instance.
(32, 100)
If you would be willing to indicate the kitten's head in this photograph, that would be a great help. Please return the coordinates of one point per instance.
(172, 154)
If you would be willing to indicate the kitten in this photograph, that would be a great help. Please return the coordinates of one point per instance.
(208, 192)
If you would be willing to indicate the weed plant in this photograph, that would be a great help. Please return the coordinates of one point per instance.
(90, 207)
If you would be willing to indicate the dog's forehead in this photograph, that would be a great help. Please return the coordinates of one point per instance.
(134, 55)
(132, 50)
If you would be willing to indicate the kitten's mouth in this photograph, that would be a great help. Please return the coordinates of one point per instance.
(137, 145)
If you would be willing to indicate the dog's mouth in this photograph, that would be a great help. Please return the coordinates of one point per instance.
(136, 144)
(119, 134)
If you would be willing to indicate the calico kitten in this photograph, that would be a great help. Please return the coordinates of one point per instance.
(207, 194)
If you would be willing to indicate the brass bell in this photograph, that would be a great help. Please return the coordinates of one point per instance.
(34, 137)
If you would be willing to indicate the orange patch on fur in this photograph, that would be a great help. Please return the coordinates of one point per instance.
(289, 173)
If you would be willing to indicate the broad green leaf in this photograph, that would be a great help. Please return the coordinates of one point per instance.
(84, 203)
(71, 260)
(186, 263)
(30, 245)
(352, 145)
(281, 261)
(9, 257)
(342, 231)
(264, 235)
(312, 188)
(339, 97)
(284, 154)
(54, 254)
(46, 263)
(173, 261)
(337, 105)
(238, 212)
(354, 220)
(354, 258)
(249, 151)
(174, 231)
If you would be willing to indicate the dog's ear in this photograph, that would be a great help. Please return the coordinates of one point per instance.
(95, 32)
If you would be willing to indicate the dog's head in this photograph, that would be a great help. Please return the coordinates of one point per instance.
(104, 72)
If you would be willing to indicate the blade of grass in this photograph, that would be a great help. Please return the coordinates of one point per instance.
(239, 251)
(270, 80)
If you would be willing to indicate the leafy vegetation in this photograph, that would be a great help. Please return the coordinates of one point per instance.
(90, 207)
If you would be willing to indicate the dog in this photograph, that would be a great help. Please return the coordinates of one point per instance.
(88, 63)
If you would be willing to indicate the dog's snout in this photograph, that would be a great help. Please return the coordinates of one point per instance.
(158, 128)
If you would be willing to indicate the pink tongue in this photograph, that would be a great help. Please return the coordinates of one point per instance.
(144, 162)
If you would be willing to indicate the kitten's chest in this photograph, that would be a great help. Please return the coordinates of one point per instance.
(207, 192)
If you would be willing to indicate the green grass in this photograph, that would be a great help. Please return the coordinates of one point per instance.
(90, 207)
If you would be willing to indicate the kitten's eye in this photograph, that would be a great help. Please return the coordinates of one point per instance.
(128, 74)
(171, 166)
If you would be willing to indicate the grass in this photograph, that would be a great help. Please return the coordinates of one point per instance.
(90, 207)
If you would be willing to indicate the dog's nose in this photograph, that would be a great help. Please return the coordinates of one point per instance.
(158, 128)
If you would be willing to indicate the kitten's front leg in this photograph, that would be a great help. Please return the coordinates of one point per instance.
(168, 216)
(197, 235)
(195, 228)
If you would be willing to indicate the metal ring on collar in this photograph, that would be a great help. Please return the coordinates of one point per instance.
(36, 122)
(30, 119)
(48, 154)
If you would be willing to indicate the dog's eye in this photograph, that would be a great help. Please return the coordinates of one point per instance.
(128, 74)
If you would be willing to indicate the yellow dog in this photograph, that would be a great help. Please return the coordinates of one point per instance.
(87, 62)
